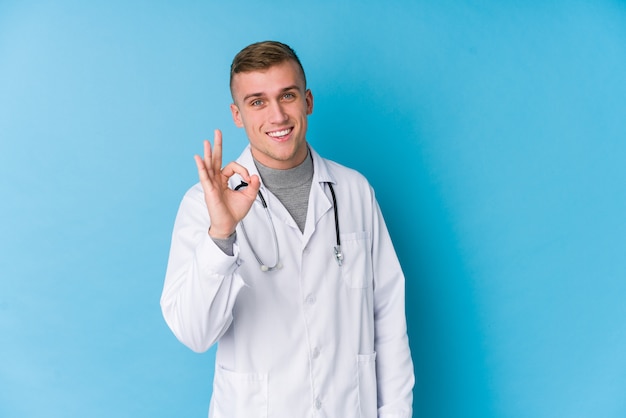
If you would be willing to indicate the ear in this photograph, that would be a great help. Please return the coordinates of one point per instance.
(234, 110)
(308, 97)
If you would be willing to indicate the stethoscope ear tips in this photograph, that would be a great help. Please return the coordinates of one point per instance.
(264, 268)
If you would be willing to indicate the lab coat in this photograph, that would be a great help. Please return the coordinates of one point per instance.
(311, 339)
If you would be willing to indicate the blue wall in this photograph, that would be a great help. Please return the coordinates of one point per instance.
(493, 131)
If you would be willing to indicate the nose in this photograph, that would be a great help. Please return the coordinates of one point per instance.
(277, 113)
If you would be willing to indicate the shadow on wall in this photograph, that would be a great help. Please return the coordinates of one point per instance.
(390, 147)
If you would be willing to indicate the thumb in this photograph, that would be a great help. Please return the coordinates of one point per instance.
(253, 187)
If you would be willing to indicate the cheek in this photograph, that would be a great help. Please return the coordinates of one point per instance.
(249, 121)
(253, 129)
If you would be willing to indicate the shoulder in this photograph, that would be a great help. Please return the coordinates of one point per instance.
(193, 199)
(350, 184)
(195, 192)
(329, 170)
(344, 174)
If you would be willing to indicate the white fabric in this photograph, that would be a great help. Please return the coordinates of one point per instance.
(309, 340)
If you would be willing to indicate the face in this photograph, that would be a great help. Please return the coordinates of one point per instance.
(273, 105)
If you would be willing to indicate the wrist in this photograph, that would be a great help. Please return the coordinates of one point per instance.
(215, 233)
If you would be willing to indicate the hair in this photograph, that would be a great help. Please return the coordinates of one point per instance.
(261, 56)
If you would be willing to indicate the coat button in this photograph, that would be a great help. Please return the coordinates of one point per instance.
(310, 299)
(315, 353)
(318, 403)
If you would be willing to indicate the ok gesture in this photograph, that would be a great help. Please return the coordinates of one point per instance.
(226, 206)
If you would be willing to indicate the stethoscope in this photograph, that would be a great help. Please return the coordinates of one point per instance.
(277, 265)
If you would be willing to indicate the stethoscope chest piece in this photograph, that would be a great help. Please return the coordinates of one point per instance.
(338, 255)
(265, 268)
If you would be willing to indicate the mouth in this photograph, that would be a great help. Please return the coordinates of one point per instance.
(280, 135)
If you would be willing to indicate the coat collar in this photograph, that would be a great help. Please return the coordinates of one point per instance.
(321, 170)
(319, 202)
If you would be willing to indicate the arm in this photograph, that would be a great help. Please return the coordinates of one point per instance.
(201, 283)
(394, 367)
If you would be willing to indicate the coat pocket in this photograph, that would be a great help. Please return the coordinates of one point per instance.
(368, 392)
(356, 269)
(239, 395)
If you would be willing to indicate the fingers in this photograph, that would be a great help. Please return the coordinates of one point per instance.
(202, 171)
(209, 167)
(211, 164)
(233, 168)
(208, 155)
(217, 149)
(213, 157)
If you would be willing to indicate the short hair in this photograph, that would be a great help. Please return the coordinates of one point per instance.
(261, 56)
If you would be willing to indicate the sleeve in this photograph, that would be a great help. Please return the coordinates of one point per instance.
(394, 367)
(201, 281)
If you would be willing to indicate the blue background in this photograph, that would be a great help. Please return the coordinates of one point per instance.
(493, 131)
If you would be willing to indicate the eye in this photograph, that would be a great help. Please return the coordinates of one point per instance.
(289, 96)
(256, 103)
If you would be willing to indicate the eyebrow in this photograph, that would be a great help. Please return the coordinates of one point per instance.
(251, 95)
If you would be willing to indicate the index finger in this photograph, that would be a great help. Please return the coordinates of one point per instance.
(233, 168)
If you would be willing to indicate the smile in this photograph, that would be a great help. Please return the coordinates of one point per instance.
(280, 134)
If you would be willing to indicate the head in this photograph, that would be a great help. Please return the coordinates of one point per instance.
(271, 102)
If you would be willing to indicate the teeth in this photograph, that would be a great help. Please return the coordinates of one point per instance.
(277, 134)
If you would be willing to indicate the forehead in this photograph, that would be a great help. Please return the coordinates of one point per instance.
(269, 81)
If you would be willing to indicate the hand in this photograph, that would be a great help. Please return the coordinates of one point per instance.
(226, 206)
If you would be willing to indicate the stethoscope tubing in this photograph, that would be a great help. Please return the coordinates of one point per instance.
(264, 267)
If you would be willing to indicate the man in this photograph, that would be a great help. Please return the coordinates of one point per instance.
(283, 259)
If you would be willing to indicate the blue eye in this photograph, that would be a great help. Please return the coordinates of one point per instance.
(257, 103)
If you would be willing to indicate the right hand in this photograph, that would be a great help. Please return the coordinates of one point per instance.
(226, 206)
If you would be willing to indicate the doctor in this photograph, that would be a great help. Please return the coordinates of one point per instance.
(293, 274)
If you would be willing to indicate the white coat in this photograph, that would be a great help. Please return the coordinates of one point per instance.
(312, 339)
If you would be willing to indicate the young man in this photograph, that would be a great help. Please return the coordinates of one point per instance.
(283, 258)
